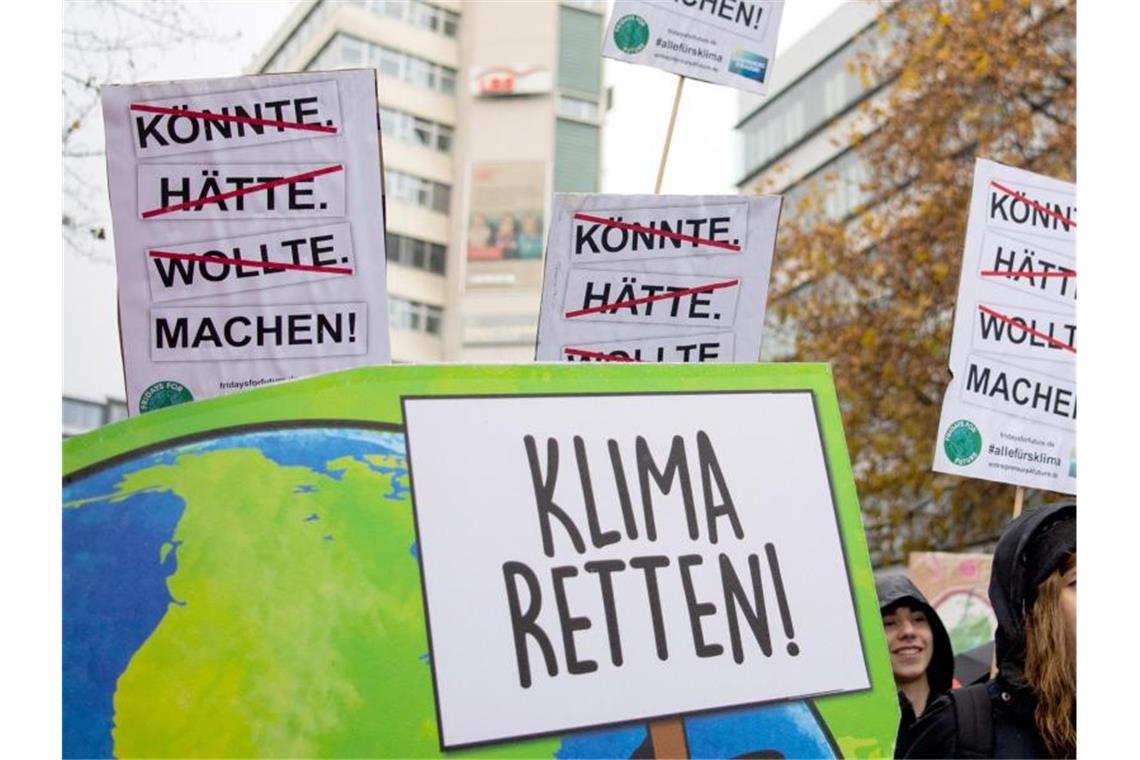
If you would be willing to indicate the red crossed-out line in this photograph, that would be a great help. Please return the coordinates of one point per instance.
(649, 299)
(1025, 199)
(600, 357)
(247, 262)
(1022, 326)
(660, 233)
(251, 120)
(244, 191)
(1029, 274)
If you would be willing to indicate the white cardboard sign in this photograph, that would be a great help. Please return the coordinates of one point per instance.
(603, 559)
(1010, 410)
(249, 230)
(729, 42)
(642, 277)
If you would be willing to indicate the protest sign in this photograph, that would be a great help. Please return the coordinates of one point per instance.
(729, 42)
(633, 538)
(1010, 410)
(308, 600)
(249, 231)
(958, 587)
(656, 278)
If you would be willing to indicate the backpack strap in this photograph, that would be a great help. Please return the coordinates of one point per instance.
(975, 721)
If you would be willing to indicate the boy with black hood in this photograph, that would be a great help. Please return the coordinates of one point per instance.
(921, 657)
(1029, 709)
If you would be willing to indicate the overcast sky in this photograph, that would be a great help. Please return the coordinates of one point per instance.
(701, 160)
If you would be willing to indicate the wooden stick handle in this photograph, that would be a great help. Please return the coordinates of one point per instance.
(668, 738)
(668, 735)
(669, 136)
(1018, 500)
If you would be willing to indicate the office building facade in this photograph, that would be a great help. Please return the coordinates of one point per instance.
(81, 415)
(801, 131)
(799, 135)
(486, 108)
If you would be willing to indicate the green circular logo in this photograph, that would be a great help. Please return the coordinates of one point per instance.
(164, 393)
(631, 34)
(962, 443)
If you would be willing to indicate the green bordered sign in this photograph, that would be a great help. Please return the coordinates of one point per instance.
(356, 563)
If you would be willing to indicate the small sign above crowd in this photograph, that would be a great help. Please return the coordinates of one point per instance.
(657, 278)
(728, 42)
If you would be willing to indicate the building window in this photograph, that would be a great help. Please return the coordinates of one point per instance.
(345, 50)
(80, 416)
(807, 105)
(841, 181)
(579, 51)
(499, 329)
(577, 108)
(417, 191)
(408, 128)
(575, 157)
(404, 314)
(594, 5)
(413, 252)
(413, 12)
(417, 13)
(443, 138)
(116, 410)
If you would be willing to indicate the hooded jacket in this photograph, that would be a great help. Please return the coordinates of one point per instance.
(897, 589)
(1013, 584)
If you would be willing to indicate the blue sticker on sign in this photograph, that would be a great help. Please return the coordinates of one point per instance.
(748, 65)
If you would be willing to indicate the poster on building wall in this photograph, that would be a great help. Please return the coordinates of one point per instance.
(656, 278)
(958, 588)
(1010, 410)
(249, 231)
(729, 42)
(739, 582)
(504, 224)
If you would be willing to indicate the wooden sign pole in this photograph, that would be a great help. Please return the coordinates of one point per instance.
(669, 136)
(668, 734)
(1018, 499)
(668, 737)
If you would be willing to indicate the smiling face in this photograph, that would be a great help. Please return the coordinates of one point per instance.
(910, 642)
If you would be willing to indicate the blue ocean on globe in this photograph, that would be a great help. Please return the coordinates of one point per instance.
(114, 593)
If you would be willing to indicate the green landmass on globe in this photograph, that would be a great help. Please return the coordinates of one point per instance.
(296, 627)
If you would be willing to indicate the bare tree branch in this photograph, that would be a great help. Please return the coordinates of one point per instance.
(108, 41)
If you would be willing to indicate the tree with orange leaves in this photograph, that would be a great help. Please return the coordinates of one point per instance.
(874, 293)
